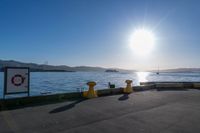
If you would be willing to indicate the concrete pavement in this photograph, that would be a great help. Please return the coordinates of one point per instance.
(140, 112)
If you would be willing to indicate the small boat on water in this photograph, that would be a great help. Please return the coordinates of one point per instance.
(158, 71)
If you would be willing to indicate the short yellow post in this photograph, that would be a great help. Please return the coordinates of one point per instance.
(91, 93)
(128, 88)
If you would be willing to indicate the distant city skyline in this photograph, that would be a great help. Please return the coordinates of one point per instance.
(97, 32)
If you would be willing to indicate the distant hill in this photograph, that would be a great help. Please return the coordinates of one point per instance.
(183, 70)
(50, 68)
(63, 68)
(33, 66)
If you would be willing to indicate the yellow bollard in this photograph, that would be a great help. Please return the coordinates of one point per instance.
(91, 93)
(128, 88)
(85, 94)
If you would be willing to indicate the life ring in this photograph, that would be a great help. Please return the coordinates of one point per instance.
(17, 80)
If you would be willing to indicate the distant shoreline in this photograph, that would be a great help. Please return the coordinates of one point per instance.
(53, 71)
(63, 68)
(46, 71)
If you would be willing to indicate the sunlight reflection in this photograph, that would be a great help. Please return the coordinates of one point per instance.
(142, 76)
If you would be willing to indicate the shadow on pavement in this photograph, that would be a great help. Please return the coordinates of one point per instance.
(124, 97)
(66, 107)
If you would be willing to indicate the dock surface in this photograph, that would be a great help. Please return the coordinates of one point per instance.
(169, 111)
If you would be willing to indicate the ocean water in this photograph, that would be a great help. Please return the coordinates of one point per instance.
(62, 82)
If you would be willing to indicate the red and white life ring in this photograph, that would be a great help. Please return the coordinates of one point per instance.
(17, 80)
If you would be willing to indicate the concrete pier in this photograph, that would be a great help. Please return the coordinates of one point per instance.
(152, 111)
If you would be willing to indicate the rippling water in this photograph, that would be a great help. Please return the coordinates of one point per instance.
(59, 82)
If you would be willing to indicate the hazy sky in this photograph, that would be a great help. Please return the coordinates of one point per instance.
(96, 32)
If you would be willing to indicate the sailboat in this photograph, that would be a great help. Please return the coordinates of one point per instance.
(158, 71)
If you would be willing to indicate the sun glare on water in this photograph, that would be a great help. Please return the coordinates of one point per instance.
(142, 76)
(142, 42)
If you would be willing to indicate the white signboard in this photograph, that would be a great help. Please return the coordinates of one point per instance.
(16, 80)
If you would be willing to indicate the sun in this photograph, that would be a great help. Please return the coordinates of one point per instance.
(142, 42)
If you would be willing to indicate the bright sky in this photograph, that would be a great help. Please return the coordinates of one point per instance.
(97, 32)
